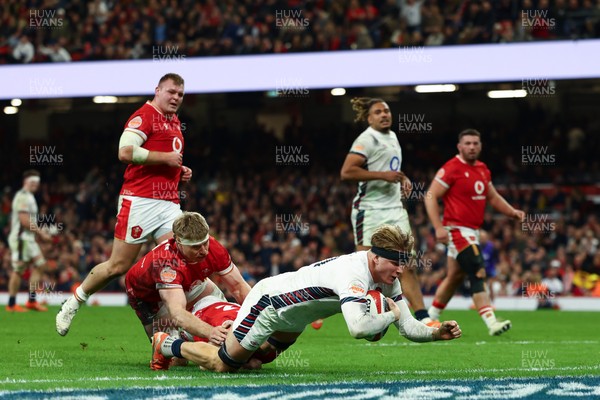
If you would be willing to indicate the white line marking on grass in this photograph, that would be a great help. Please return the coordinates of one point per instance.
(481, 343)
(216, 377)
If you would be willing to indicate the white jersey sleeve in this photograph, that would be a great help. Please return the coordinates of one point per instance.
(352, 292)
(410, 328)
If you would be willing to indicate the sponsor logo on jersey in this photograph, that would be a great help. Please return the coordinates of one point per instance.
(168, 275)
(357, 288)
(177, 145)
(135, 122)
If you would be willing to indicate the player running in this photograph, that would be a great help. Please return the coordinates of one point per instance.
(152, 146)
(24, 250)
(278, 308)
(465, 184)
(179, 266)
(375, 160)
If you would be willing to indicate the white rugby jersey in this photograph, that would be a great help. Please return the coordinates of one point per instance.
(328, 287)
(23, 201)
(382, 152)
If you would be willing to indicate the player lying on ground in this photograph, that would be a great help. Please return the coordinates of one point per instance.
(217, 312)
(178, 266)
(277, 309)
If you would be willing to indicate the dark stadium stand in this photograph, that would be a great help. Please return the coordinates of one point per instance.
(110, 30)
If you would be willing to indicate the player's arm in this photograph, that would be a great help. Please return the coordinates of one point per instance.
(361, 323)
(132, 152)
(435, 192)
(500, 204)
(352, 170)
(417, 331)
(31, 226)
(236, 284)
(175, 302)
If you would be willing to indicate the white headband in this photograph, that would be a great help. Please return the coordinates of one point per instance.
(186, 242)
(32, 179)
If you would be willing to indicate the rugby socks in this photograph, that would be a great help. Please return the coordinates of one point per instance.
(421, 314)
(488, 316)
(435, 311)
(12, 300)
(80, 295)
(171, 347)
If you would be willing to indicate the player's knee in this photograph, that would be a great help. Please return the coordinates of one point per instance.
(117, 267)
(477, 284)
(471, 262)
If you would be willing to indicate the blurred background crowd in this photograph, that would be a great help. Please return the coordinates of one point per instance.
(275, 218)
(117, 30)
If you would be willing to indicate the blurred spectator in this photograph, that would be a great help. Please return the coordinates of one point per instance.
(24, 51)
(56, 52)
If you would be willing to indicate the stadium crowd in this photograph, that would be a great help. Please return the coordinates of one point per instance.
(275, 218)
(72, 30)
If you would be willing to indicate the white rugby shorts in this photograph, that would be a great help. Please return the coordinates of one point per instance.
(365, 222)
(140, 218)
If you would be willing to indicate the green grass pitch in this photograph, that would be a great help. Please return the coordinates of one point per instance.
(107, 348)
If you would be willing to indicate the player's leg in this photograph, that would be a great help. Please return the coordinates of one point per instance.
(274, 346)
(14, 282)
(19, 265)
(453, 279)
(36, 276)
(471, 261)
(121, 259)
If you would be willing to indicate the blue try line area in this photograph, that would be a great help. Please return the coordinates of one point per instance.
(582, 387)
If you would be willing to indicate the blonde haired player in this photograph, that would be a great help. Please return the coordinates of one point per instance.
(375, 161)
(24, 250)
(164, 285)
(278, 308)
(152, 146)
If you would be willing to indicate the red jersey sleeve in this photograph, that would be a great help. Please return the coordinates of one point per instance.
(446, 175)
(221, 260)
(165, 276)
(140, 122)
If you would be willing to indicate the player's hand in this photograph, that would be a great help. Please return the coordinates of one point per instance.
(448, 331)
(393, 176)
(393, 308)
(227, 324)
(518, 214)
(441, 235)
(45, 236)
(217, 335)
(186, 174)
(173, 159)
(406, 188)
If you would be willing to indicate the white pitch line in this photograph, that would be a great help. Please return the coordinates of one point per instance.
(503, 343)
(8, 381)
